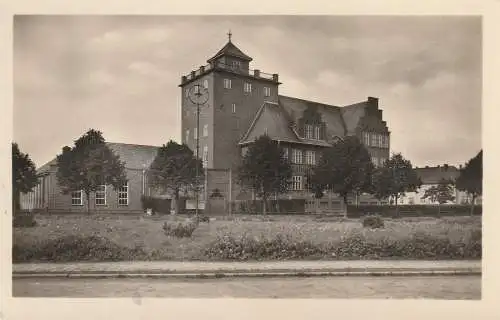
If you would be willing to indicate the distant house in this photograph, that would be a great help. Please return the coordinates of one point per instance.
(431, 176)
(47, 196)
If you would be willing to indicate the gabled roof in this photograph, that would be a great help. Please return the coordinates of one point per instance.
(230, 50)
(433, 175)
(330, 114)
(270, 120)
(135, 156)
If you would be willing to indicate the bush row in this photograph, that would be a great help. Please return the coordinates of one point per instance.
(281, 206)
(23, 219)
(356, 246)
(76, 248)
(411, 210)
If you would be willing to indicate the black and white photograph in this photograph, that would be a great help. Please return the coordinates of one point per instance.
(247, 156)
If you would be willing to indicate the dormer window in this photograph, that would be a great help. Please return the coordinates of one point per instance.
(236, 65)
(317, 132)
(267, 92)
(308, 131)
(247, 87)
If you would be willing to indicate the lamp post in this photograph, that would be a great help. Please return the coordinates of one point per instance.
(198, 95)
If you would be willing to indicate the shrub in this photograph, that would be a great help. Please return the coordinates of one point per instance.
(23, 219)
(418, 210)
(157, 205)
(373, 221)
(281, 206)
(279, 247)
(76, 248)
(180, 229)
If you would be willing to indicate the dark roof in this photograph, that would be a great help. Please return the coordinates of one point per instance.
(433, 175)
(272, 120)
(351, 115)
(135, 156)
(230, 50)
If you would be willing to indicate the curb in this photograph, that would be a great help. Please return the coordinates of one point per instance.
(256, 274)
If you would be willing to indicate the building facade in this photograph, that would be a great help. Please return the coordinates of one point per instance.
(245, 103)
(47, 196)
(431, 176)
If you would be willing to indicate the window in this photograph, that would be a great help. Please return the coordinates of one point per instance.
(247, 87)
(285, 153)
(236, 65)
(308, 131)
(317, 131)
(123, 195)
(366, 138)
(205, 156)
(205, 84)
(205, 130)
(196, 88)
(297, 156)
(297, 183)
(373, 141)
(375, 161)
(380, 140)
(187, 136)
(100, 195)
(386, 141)
(310, 157)
(233, 106)
(382, 161)
(195, 133)
(267, 91)
(227, 83)
(77, 198)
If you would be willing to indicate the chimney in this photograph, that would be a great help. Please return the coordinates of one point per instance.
(275, 77)
(202, 69)
(256, 73)
(183, 79)
(193, 74)
(373, 101)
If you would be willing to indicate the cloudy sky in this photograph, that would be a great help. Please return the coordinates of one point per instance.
(121, 74)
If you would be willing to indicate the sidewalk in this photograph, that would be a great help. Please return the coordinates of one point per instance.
(164, 269)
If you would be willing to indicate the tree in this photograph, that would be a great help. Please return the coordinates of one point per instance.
(24, 176)
(345, 168)
(440, 193)
(89, 164)
(470, 179)
(395, 178)
(265, 169)
(174, 170)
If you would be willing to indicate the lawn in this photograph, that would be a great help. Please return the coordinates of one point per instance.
(146, 233)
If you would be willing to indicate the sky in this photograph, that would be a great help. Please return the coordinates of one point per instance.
(120, 74)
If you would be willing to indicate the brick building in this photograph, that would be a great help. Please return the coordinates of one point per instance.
(244, 103)
(47, 196)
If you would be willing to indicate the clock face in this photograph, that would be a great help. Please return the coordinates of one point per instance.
(197, 94)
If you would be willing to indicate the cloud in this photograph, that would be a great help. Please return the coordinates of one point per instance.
(145, 68)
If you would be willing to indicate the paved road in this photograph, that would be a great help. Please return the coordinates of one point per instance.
(433, 287)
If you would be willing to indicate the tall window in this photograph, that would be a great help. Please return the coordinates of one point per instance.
(195, 133)
(77, 198)
(247, 87)
(381, 140)
(285, 153)
(308, 131)
(297, 156)
(123, 195)
(267, 91)
(373, 141)
(310, 157)
(317, 130)
(366, 138)
(227, 83)
(205, 84)
(100, 195)
(233, 107)
(297, 183)
(375, 161)
(187, 136)
(205, 130)
(205, 156)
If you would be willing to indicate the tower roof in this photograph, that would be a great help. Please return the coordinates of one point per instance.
(230, 50)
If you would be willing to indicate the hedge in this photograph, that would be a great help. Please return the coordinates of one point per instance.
(23, 219)
(281, 206)
(411, 210)
(158, 205)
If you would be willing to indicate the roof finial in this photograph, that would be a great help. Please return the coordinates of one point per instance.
(229, 34)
